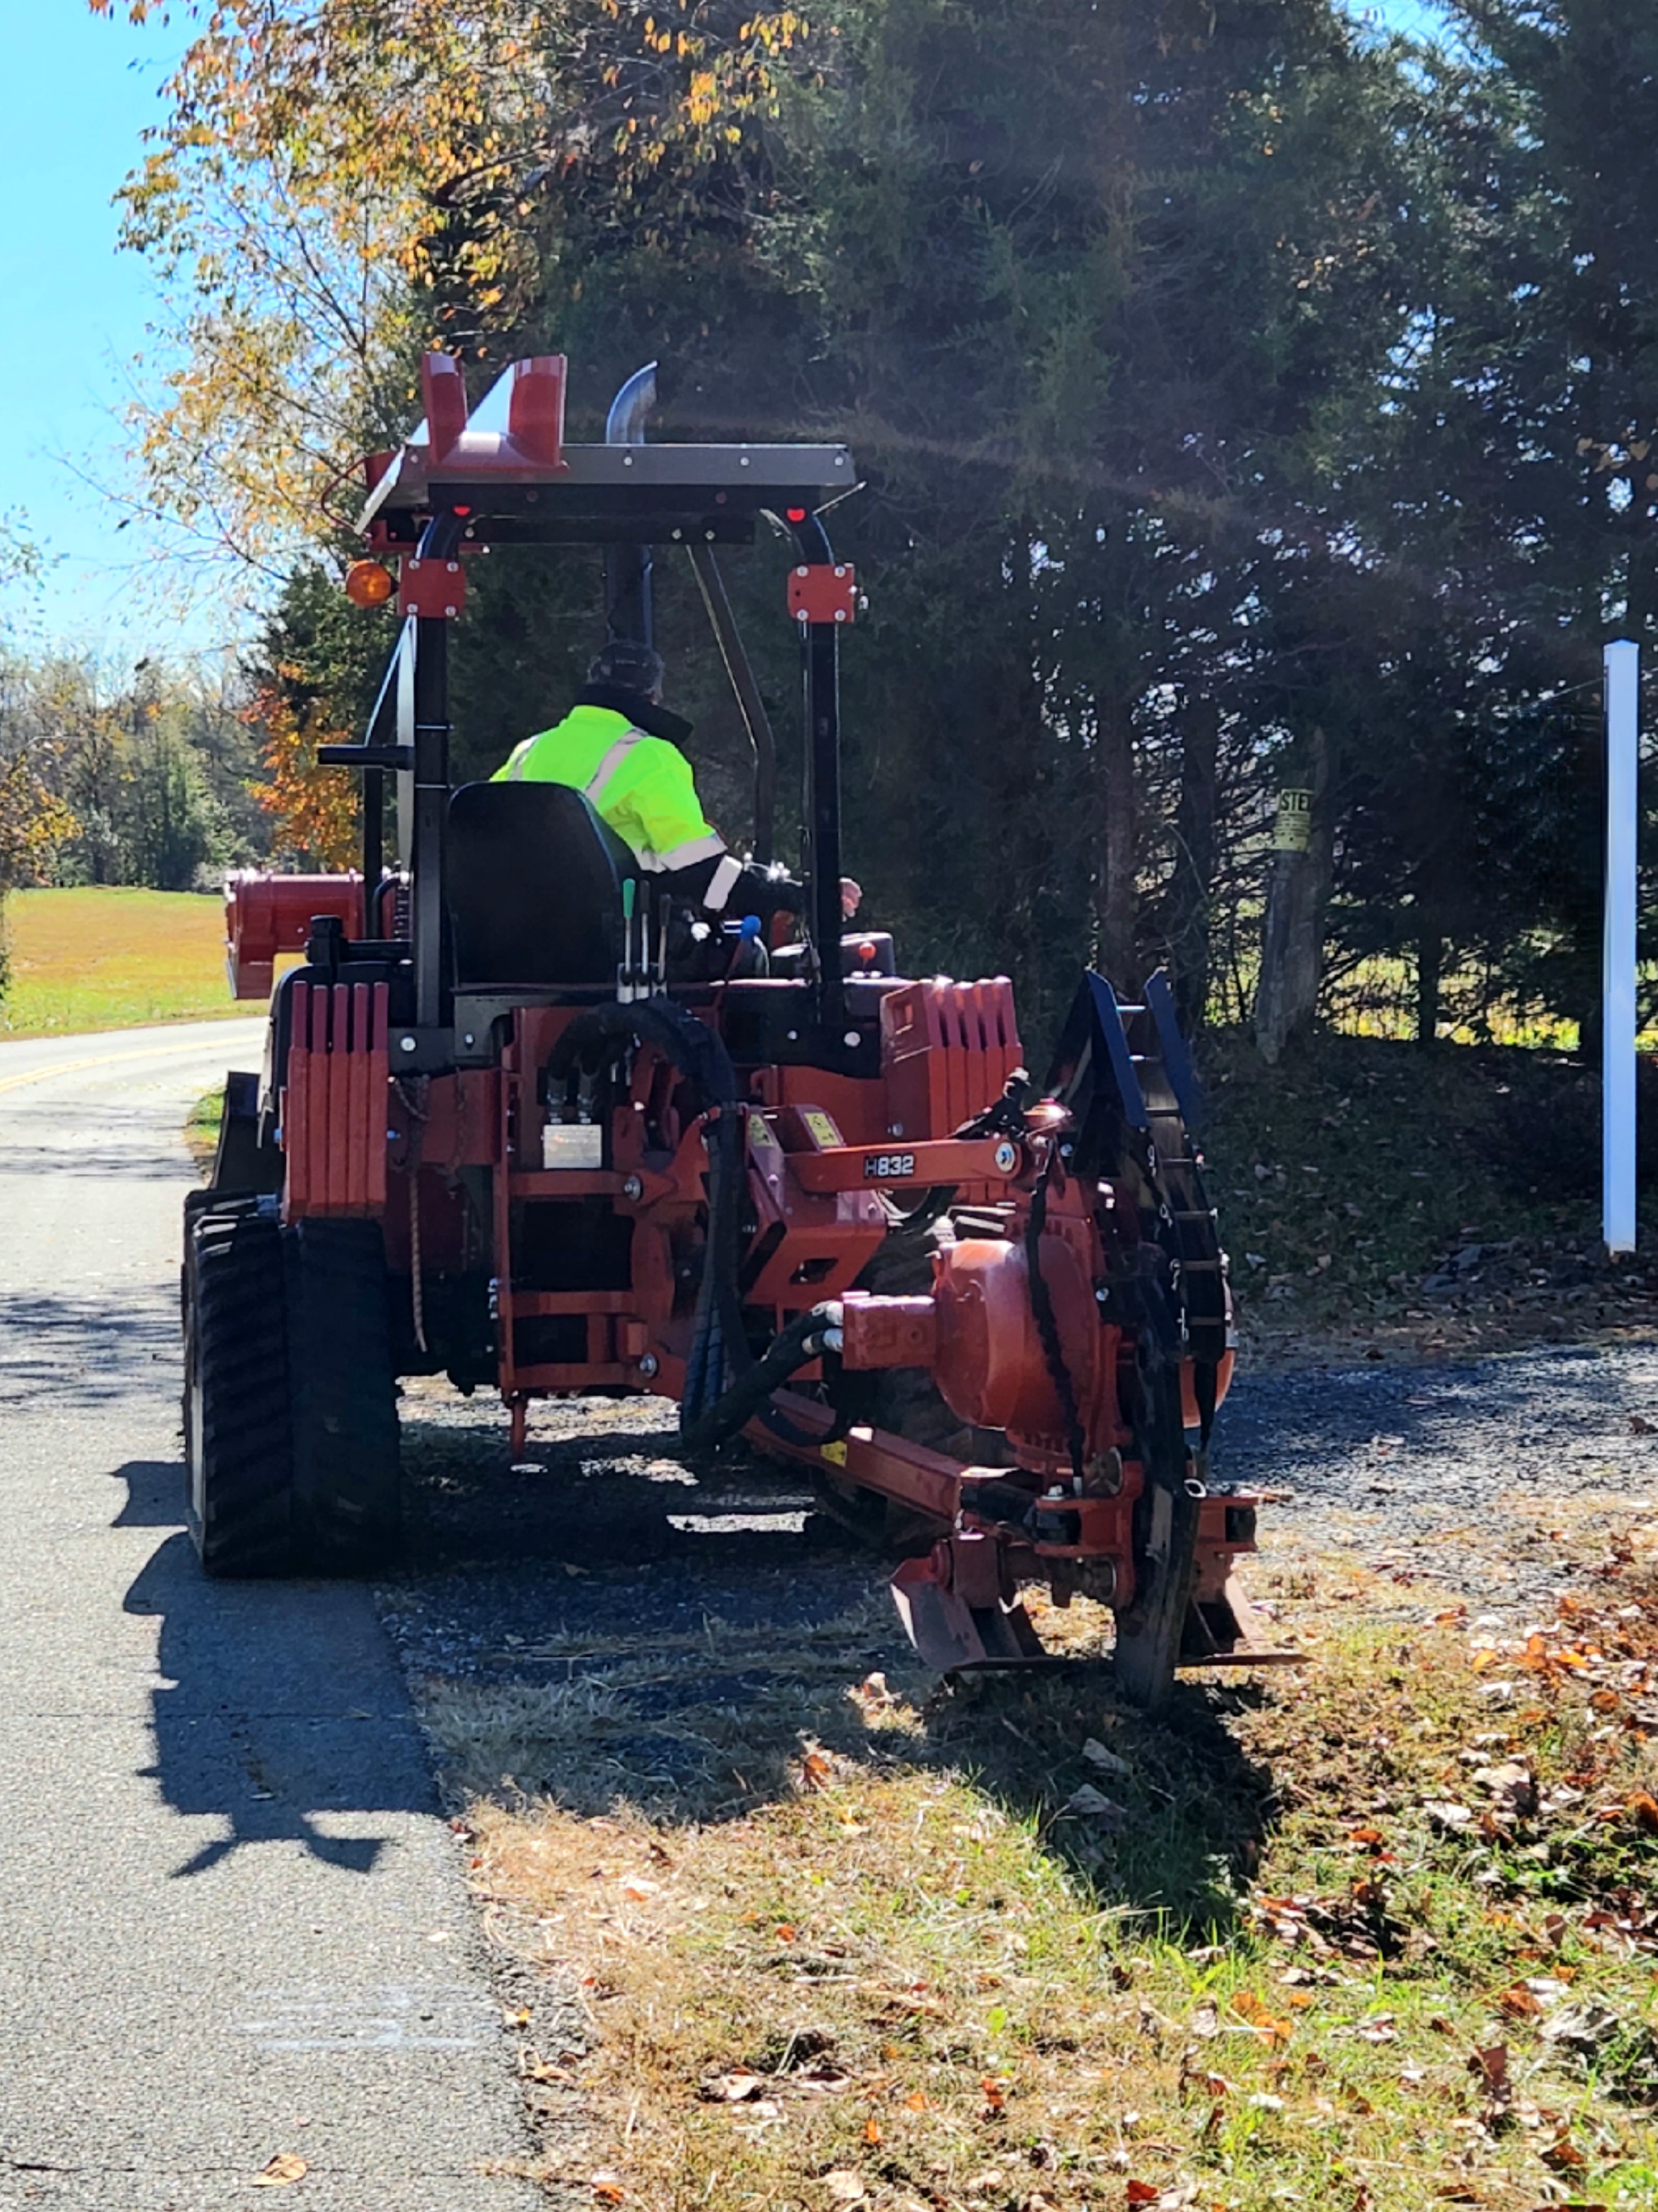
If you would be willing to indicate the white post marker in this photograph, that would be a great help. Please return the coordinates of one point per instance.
(1622, 663)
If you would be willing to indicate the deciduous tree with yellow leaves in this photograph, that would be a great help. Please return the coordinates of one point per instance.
(336, 185)
(314, 809)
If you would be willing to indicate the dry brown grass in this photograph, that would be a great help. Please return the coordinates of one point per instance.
(866, 1948)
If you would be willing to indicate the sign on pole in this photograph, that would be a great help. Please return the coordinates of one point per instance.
(1292, 827)
(1622, 663)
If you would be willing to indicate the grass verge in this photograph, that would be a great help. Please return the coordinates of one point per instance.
(1375, 1935)
(105, 958)
(201, 1126)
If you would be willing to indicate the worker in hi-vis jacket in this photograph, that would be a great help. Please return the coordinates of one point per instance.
(619, 747)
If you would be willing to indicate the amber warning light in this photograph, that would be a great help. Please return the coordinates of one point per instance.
(367, 584)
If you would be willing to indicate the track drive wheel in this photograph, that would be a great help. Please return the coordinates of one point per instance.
(1149, 1634)
(290, 1420)
(343, 1396)
(238, 1436)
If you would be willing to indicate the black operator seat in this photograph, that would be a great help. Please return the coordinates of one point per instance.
(533, 882)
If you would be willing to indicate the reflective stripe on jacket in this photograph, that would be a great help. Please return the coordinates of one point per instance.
(640, 786)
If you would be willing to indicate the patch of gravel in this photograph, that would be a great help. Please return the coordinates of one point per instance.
(1475, 1479)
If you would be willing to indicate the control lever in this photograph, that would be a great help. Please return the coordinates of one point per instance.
(624, 974)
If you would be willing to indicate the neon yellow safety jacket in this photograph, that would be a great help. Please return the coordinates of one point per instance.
(640, 786)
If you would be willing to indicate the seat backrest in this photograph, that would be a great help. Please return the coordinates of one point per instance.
(533, 882)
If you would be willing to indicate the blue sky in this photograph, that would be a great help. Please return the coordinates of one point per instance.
(80, 92)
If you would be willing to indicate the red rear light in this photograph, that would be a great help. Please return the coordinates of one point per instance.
(795, 513)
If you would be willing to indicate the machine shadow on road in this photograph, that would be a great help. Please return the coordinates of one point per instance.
(609, 1630)
(279, 1712)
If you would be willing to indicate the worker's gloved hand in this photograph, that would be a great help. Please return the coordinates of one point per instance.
(766, 890)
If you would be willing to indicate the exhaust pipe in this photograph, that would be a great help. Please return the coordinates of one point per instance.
(628, 610)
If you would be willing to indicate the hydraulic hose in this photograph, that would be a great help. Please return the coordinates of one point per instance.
(806, 1338)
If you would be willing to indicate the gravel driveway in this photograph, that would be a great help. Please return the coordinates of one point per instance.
(1464, 1480)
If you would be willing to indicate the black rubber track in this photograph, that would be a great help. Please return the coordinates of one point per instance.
(237, 1436)
(345, 1415)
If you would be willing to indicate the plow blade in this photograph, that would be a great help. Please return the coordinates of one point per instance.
(952, 1636)
(948, 1632)
(1226, 1630)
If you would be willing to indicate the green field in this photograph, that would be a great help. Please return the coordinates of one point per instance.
(108, 959)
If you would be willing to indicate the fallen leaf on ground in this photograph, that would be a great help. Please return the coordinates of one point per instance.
(730, 2088)
(1490, 2066)
(287, 2166)
(1092, 1804)
(1512, 1783)
(608, 2188)
(844, 2186)
(1519, 2004)
(1564, 2156)
(1140, 2192)
(1582, 2027)
(1098, 1756)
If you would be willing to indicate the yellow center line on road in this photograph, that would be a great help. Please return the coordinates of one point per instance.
(99, 1060)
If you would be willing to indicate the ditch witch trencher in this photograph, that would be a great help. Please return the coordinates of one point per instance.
(517, 1124)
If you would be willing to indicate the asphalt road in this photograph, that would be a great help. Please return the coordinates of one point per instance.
(231, 1921)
